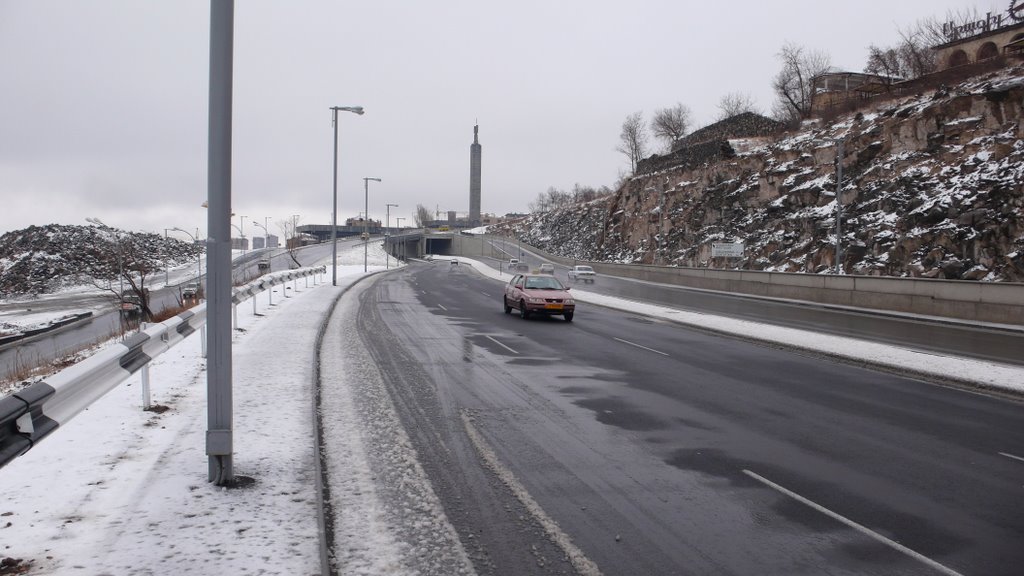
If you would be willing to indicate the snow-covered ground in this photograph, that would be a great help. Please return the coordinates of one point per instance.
(123, 491)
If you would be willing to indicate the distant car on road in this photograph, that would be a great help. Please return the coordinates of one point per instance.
(263, 265)
(131, 304)
(538, 294)
(190, 291)
(585, 273)
(513, 262)
(547, 268)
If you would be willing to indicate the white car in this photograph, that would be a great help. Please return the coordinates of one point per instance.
(584, 273)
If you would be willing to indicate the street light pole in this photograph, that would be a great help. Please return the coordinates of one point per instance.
(120, 255)
(199, 258)
(241, 232)
(366, 218)
(167, 273)
(398, 224)
(387, 235)
(334, 209)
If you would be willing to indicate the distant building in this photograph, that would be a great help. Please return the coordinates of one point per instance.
(271, 242)
(475, 151)
(239, 243)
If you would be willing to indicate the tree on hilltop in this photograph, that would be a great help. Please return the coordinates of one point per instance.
(671, 124)
(793, 85)
(734, 104)
(633, 139)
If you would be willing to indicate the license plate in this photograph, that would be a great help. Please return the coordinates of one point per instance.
(553, 306)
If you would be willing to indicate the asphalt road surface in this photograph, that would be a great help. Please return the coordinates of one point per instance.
(620, 444)
(985, 342)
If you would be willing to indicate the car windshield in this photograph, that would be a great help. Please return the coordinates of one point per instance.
(543, 283)
(584, 268)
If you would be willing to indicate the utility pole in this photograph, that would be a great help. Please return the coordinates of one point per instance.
(839, 207)
(219, 443)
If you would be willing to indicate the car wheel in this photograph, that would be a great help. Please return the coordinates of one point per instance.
(508, 309)
(523, 313)
(567, 316)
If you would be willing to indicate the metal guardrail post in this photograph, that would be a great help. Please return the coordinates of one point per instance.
(30, 414)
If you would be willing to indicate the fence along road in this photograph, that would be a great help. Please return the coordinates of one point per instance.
(29, 415)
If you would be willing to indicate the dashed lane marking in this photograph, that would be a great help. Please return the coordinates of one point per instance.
(641, 347)
(858, 527)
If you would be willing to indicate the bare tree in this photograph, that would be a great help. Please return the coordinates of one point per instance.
(885, 62)
(671, 124)
(734, 104)
(124, 260)
(913, 55)
(793, 85)
(423, 216)
(633, 139)
(289, 229)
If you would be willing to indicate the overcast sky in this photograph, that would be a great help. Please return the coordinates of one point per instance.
(103, 104)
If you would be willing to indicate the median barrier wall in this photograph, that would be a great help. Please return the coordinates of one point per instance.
(967, 300)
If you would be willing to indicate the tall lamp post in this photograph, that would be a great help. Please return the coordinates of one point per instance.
(334, 209)
(266, 235)
(398, 224)
(366, 219)
(167, 272)
(387, 234)
(199, 258)
(120, 255)
(241, 232)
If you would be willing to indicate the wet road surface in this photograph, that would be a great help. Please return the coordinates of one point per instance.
(649, 448)
(986, 342)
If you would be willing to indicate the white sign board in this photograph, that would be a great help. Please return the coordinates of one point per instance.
(727, 250)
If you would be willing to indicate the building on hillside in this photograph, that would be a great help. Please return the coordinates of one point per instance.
(988, 44)
(239, 243)
(834, 89)
(973, 48)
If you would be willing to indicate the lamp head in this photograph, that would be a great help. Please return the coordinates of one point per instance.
(353, 109)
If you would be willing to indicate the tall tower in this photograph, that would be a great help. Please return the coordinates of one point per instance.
(474, 180)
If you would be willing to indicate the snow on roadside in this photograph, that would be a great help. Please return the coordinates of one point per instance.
(121, 491)
(389, 520)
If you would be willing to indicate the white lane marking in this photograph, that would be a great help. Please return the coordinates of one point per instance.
(441, 306)
(492, 339)
(1011, 456)
(862, 529)
(583, 565)
(639, 346)
(486, 294)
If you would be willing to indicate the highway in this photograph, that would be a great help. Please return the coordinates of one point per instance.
(637, 446)
(985, 342)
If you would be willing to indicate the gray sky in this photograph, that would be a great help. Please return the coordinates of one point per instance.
(103, 103)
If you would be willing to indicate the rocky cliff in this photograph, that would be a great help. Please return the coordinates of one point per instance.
(932, 187)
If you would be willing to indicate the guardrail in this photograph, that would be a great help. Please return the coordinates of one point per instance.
(29, 415)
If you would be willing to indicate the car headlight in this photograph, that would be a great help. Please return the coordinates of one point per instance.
(569, 301)
(535, 300)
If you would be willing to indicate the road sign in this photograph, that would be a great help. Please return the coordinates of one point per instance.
(727, 250)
